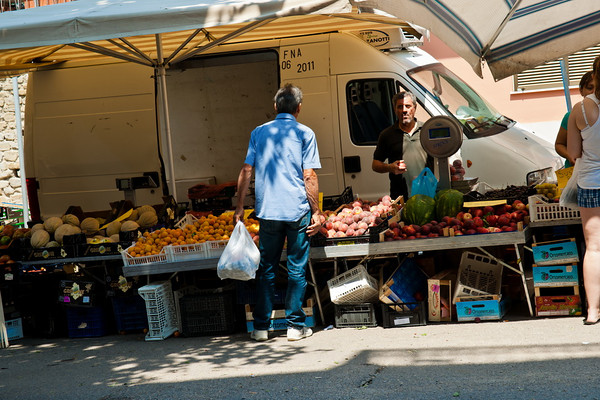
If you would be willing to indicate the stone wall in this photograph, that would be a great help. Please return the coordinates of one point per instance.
(10, 181)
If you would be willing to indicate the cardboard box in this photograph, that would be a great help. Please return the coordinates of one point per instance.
(555, 252)
(101, 249)
(481, 310)
(278, 321)
(555, 275)
(439, 295)
(546, 306)
(76, 293)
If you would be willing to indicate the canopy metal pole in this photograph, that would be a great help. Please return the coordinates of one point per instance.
(19, 134)
(164, 113)
(564, 71)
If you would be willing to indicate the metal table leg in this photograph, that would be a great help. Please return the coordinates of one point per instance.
(3, 332)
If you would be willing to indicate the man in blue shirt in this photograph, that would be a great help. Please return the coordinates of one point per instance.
(283, 154)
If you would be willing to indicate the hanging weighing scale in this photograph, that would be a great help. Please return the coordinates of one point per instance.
(441, 137)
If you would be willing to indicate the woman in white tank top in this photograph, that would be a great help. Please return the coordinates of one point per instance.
(583, 145)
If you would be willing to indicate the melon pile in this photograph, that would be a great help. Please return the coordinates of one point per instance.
(53, 230)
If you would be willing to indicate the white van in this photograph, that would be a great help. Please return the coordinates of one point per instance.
(87, 125)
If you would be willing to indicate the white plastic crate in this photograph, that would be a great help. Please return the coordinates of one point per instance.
(214, 248)
(160, 309)
(162, 257)
(186, 252)
(541, 209)
(353, 286)
(478, 275)
(188, 219)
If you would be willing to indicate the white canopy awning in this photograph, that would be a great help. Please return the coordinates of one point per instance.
(128, 29)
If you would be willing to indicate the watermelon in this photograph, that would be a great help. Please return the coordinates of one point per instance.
(449, 204)
(440, 193)
(419, 209)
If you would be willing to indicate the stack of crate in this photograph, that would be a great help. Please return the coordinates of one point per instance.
(556, 279)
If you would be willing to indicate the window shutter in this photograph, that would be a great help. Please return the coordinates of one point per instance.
(548, 75)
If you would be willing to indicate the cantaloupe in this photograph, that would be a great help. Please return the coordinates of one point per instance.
(90, 226)
(147, 219)
(65, 230)
(145, 208)
(50, 224)
(53, 243)
(113, 227)
(37, 227)
(115, 238)
(129, 226)
(70, 219)
(134, 216)
(39, 238)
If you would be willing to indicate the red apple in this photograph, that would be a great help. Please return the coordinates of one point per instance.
(492, 220)
(518, 205)
(476, 212)
(488, 210)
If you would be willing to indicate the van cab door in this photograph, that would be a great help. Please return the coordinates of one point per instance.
(365, 109)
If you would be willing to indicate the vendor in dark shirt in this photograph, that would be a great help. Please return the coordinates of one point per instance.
(399, 151)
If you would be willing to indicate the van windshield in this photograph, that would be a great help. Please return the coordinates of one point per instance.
(472, 111)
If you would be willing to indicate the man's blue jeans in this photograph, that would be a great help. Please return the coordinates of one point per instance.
(272, 237)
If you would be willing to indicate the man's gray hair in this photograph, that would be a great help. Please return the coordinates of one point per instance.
(287, 99)
(402, 95)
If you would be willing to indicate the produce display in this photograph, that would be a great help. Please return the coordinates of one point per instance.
(206, 228)
(355, 219)
(510, 193)
(476, 220)
(550, 190)
(457, 171)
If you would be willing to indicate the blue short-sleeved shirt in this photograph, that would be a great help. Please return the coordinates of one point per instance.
(279, 151)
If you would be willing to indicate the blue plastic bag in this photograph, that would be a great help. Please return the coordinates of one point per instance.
(425, 183)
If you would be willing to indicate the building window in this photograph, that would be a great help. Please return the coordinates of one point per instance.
(549, 76)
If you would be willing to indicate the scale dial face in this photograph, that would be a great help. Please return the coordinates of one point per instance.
(441, 136)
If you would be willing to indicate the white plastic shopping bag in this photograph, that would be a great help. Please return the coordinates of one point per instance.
(568, 196)
(241, 257)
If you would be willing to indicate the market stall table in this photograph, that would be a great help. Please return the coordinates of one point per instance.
(516, 239)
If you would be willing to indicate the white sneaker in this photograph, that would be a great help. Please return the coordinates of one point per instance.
(259, 336)
(294, 334)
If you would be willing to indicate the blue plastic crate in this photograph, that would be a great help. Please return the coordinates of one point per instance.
(406, 281)
(130, 313)
(85, 322)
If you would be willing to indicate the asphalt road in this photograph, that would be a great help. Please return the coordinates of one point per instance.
(521, 358)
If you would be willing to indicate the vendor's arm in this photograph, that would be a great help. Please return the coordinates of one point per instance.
(397, 167)
(574, 133)
(311, 183)
(242, 188)
(560, 144)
